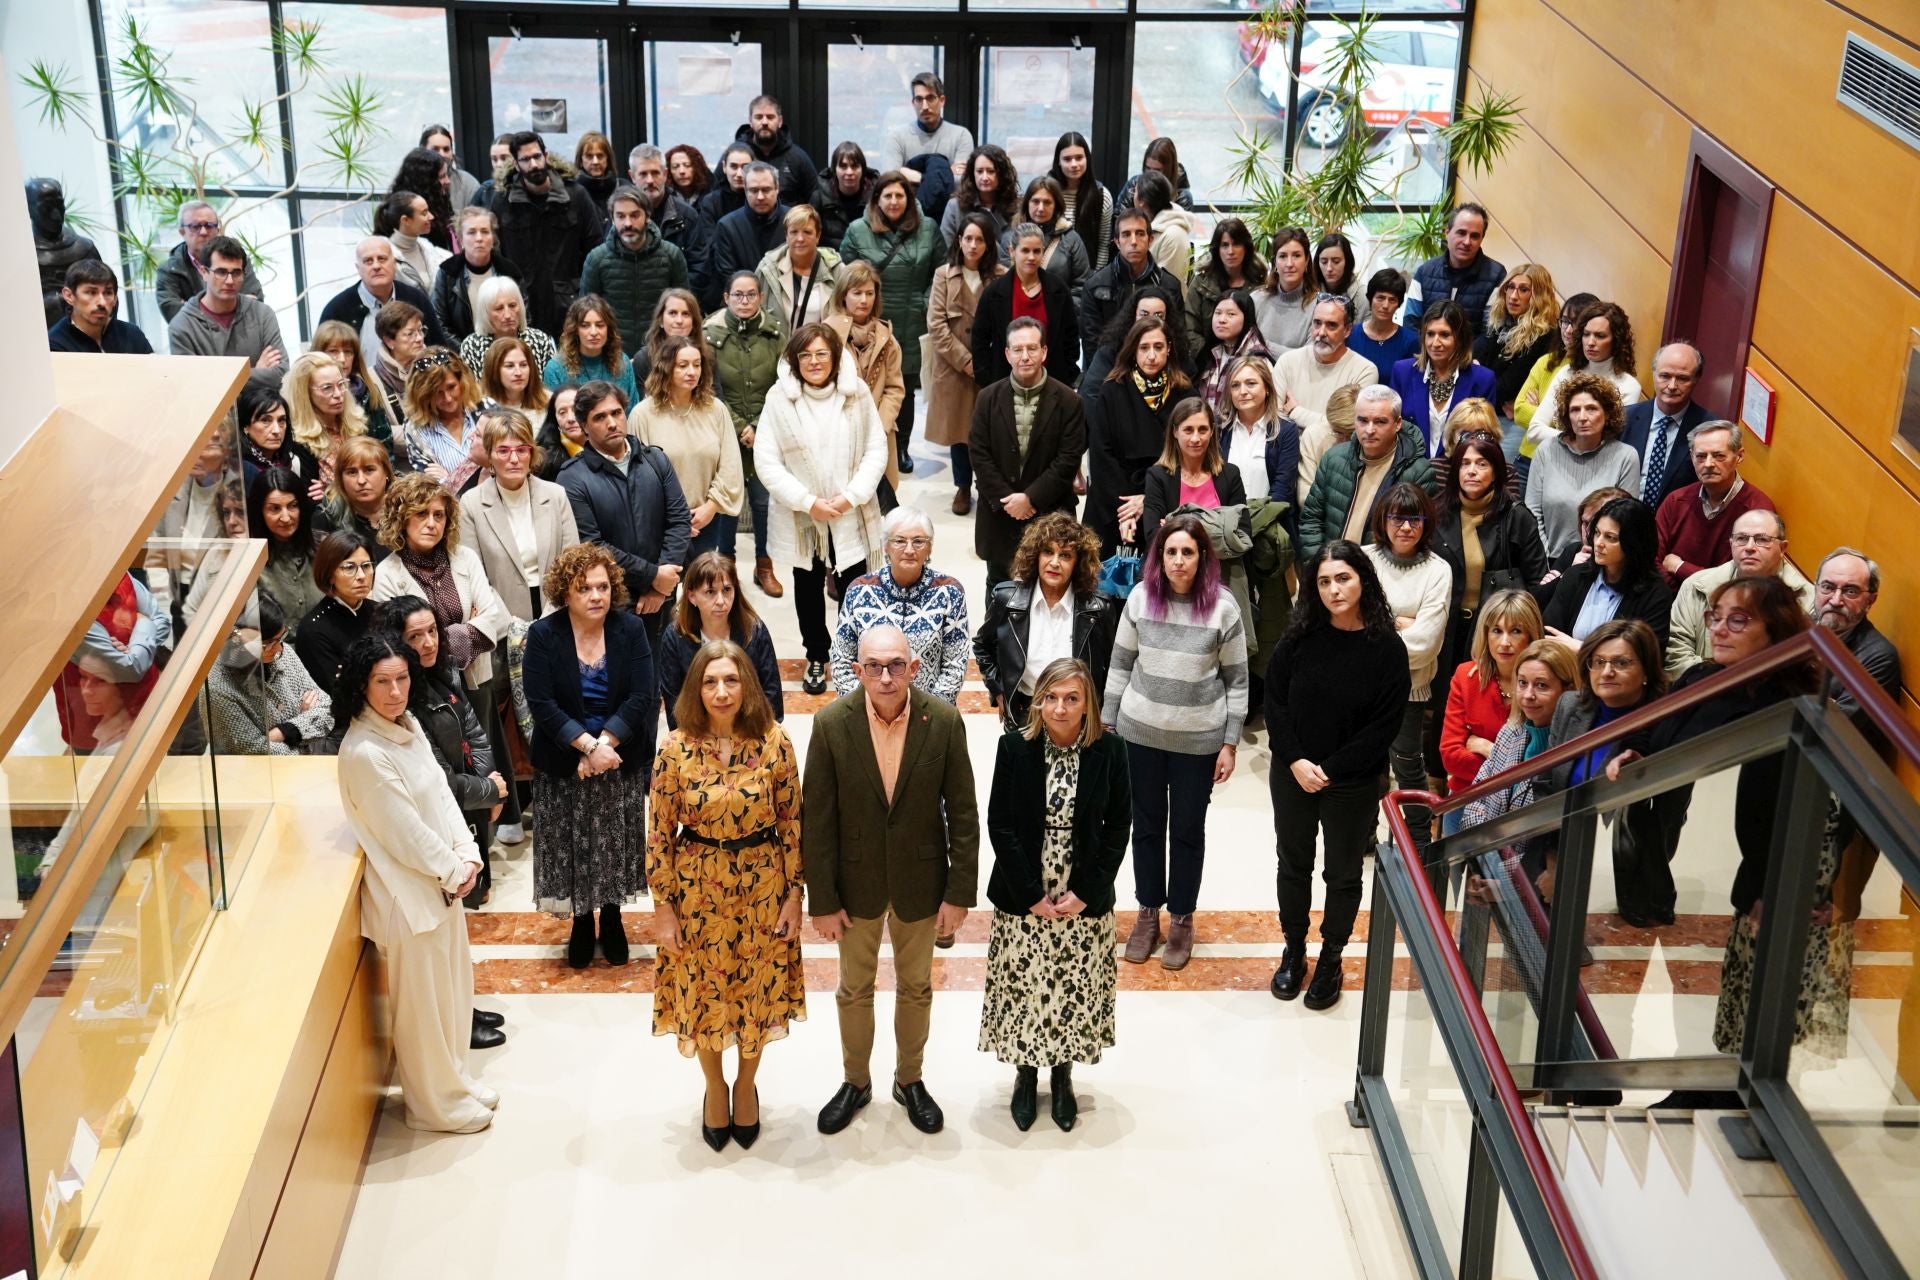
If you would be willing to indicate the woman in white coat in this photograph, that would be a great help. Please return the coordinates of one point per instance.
(420, 862)
(821, 451)
(420, 521)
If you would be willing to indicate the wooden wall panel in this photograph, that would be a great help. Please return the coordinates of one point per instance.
(1759, 75)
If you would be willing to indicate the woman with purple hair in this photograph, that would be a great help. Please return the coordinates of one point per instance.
(1177, 695)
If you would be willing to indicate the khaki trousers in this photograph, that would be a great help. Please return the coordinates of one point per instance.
(913, 993)
(430, 990)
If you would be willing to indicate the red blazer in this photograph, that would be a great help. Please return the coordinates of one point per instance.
(1474, 710)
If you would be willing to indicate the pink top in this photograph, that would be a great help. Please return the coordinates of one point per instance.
(1199, 495)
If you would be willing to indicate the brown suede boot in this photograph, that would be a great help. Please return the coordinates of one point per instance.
(1145, 935)
(1179, 942)
(763, 578)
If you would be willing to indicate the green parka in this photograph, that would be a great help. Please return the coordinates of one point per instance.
(906, 278)
(1324, 515)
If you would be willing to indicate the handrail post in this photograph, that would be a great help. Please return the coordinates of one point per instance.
(1480, 1226)
(1376, 1000)
(1787, 894)
(1572, 882)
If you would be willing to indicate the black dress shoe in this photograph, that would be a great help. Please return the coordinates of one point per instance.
(488, 1018)
(815, 679)
(906, 461)
(748, 1134)
(1291, 975)
(613, 935)
(838, 1113)
(715, 1134)
(1026, 1097)
(483, 1037)
(1065, 1107)
(1324, 991)
(580, 942)
(922, 1110)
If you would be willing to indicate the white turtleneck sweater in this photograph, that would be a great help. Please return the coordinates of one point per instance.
(417, 261)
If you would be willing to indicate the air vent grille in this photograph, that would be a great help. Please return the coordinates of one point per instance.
(1882, 88)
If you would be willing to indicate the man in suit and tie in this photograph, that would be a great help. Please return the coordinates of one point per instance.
(1657, 428)
(1028, 433)
(890, 836)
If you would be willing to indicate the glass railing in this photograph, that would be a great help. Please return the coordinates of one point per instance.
(1503, 979)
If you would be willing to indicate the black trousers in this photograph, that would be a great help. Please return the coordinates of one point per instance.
(810, 604)
(1345, 813)
(1171, 791)
(1646, 836)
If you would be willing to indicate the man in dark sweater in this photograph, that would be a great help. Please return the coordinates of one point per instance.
(1696, 520)
(766, 132)
(92, 295)
(1463, 273)
(745, 235)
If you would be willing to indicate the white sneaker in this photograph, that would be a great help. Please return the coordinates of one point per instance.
(511, 833)
(488, 1098)
(486, 1118)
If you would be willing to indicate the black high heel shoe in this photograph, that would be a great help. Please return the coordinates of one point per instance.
(748, 1134)
(716, 1135)
(1026, 1097)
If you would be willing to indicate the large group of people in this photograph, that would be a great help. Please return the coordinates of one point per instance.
(1417, 526)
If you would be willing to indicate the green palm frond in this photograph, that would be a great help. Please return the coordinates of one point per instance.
(1483, 131)
(1418, 235)
(299, 43)
(52, 92)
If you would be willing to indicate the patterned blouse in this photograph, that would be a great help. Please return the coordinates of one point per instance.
(933, 613)
(696, 789)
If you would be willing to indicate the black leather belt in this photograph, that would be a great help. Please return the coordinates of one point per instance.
(764, 835)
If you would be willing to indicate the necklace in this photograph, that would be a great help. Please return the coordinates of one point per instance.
(1441, 391)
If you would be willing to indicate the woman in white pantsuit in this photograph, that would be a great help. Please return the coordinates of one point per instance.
(420, 861)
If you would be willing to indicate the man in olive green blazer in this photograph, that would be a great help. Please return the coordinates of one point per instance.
(890, 834)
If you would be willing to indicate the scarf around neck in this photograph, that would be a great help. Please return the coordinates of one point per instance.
(1154, 390)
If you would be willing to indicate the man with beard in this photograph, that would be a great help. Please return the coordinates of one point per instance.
(766, 132)
(680, 223)
(1843, 594)
(634, 266)
(1304, 377)
(547, 227)
(92, 295)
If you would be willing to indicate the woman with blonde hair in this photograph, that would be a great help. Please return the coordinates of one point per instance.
(1059, 818)
(724, 869)
(854, 312)
(590, 349)
(321, 409)
(509, 380)
(341, 340)
(503, 314)
(682, 416)
(1480, 692)
(1518, 329)
(357, 488)
(799, 275)
(443, 400)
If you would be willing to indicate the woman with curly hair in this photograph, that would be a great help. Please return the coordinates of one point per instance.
(1601, 345)
(987, 185)
(688, 173)
(1588, 454)
(1336, 693)
(429, 175)
(589, 680)
(590, 349)
(420, 524)
(1050, 608)
(724, 869)
(682, 416)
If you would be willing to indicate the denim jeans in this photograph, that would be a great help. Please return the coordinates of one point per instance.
(757, 503)
(962, 466)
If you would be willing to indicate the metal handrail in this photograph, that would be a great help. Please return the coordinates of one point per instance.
(1506, 1094)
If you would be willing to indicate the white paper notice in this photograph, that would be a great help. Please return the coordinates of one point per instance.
(85, 1150)
(703, 76)
(1032, 77)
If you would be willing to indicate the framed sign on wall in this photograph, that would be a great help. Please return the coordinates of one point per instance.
(1906, 426)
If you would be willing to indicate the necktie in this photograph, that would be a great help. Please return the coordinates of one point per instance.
(1657, 455)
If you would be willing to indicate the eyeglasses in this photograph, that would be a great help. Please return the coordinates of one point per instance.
(199, 226)
(1622, 665)
(897, 668)
(514, 450)
(742, 295)
(355, 568)
(1754, 539)
(922, 99)
(910, 544)
(812, 356)
(227, 273)
(1407, 522)
(1850, 591)
(1732, 619)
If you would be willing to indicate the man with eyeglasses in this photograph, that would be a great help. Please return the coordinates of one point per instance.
(547, 226)
(766, 132)
(890, 837)
(746, 340)
(1759, 543)
(680, 224)
(1657, 429)
(1844, 592)
(223, 321)
(750, 232)
(929, 134)
(183, 274)
(1695, 522)
(1306, 377)
(1383, 451)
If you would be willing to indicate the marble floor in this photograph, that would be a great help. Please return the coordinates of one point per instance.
(1217, 1120)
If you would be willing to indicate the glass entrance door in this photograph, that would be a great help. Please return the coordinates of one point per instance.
(558, 86)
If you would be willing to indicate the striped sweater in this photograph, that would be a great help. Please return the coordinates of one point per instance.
(1178, 683)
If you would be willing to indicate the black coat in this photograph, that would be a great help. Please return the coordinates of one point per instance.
(795, 167)
(838, 212)
(994, 312)
(682, 227)
(641, 517)
(675, 656)
(1000, 645)
(718, 202)
(347, 307)
(1650, 600)
(550, 672)
(743, 237)
(324, 636)
(1045, 475)
(1108, 291)
(1124, 438)
(1509, 372)
(549, 236)
(1016, 823)
(459, 742)
(1509, 544)
(1162, 494)
(450, 300)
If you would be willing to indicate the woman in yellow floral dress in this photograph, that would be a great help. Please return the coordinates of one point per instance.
(723, 863)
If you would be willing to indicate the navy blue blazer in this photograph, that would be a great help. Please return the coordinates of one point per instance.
(1405, 377)
(1639, 430)
(550, 673)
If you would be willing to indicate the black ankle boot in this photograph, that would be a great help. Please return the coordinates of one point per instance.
(613, 935)
(1026, 1097)
(580, 943)
(1324, 991)
(1292, 973)
(1065, 1107)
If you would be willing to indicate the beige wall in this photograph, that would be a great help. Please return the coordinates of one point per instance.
(23, 325)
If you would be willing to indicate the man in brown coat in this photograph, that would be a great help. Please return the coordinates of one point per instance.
(1029, 431)
(890, 835)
